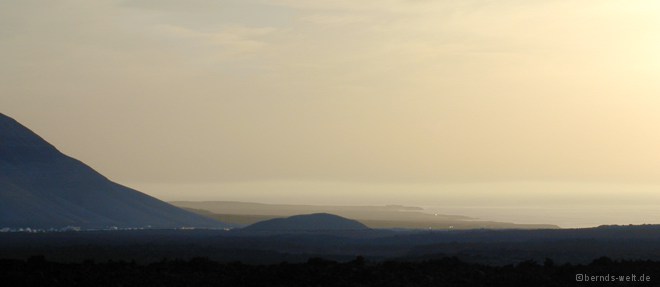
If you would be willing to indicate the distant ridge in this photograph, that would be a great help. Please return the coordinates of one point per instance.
(42, 188)
(388, 217)
(308, 222)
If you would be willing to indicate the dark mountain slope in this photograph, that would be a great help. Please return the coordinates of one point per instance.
(42, 188)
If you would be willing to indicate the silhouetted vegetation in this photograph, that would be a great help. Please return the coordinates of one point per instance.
(450, 271)
(211, 258)
(478, 246)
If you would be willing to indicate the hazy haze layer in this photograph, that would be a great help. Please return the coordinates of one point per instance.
(394, 95)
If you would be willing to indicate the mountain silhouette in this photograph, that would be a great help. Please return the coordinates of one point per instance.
(307, 222)
(42, 188)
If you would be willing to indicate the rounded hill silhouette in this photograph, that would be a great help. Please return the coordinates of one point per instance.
(308, 222)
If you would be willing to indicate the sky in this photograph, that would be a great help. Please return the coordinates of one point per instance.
(494, 103)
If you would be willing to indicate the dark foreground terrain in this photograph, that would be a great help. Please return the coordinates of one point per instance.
(492, 247)
(36, 271)
(350, 258)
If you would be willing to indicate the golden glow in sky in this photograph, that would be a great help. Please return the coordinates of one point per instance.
(363, 92)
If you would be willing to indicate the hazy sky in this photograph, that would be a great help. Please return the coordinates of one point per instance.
(304, 96)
